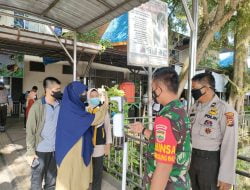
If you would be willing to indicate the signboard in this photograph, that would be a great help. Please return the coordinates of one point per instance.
(148, 35)
(11, 65)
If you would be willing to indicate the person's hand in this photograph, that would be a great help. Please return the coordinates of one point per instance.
(106, 101)
(31, 158)
(224, 186)
(107, 149)
(136, 127)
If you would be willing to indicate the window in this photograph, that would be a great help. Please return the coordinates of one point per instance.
(37, 66)
(67, 69)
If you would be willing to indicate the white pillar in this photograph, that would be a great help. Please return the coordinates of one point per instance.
(150, 98)
(75, 57)
(193, 49)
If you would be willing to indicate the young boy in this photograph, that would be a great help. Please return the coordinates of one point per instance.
(101, 139)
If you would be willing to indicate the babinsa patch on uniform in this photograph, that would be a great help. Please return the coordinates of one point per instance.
(160, 132)
(230, 119)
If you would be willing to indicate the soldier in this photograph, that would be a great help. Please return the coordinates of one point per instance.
(169, 150)
(6, 105)
(214, 137)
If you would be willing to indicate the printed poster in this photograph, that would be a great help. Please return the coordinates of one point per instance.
(148, 35)
(12, 65)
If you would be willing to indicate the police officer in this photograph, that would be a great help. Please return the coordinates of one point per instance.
(214, 137)
(169, 150)
(6, 105)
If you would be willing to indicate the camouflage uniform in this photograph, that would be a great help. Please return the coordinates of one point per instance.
(170, 143)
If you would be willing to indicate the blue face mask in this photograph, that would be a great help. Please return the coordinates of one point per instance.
(94, 101)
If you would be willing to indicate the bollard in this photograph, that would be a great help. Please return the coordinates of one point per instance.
(118, 131)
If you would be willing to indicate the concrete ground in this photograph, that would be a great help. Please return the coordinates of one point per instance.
(14, 169)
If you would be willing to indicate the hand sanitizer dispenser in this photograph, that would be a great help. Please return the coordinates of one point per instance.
(118, 118)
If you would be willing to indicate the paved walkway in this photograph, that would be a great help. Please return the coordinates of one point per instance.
(14, 169)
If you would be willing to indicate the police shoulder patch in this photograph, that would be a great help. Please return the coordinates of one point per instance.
(229, 119)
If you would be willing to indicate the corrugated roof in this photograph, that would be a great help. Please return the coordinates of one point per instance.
(80, 15)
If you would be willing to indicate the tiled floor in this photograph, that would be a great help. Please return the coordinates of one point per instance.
(14, 170)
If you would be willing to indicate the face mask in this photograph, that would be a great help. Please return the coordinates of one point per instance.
(83, 98)
(57, 95)
(1, 88)
(155, 96)
(196, 93)
(94, 102)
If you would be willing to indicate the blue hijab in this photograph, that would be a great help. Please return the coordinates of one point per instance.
(74, 123)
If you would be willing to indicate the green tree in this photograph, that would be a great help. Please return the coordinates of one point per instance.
(242, 38)
(89, 37)
(213, 16)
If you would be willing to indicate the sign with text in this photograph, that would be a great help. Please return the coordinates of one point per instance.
(11, 65)
(148, 35)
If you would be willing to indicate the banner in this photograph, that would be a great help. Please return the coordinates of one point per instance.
(148, 35)
(11, 65)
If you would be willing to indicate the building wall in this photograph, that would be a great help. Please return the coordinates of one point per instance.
(36, 78)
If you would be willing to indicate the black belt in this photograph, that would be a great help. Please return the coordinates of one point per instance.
(205, 153)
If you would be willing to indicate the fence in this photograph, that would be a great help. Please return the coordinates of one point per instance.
(137, 149)
(136, 156)
(244, 124)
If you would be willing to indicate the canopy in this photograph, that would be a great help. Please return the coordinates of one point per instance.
(79, 15)
(117, 30)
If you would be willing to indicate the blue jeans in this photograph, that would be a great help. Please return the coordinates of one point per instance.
(46, 170)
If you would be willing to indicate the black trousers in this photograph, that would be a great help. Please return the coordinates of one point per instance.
(46, 170)
(204, 169)
(3, 115)
(97, 172)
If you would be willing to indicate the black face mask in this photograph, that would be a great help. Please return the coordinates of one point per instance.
(1, 88)
(196, 93)
(57, 95)
(155, 96)
(83, 98)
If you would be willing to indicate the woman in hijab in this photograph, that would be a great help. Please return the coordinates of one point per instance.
(74, 145)
(102, 138)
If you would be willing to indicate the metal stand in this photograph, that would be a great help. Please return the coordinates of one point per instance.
(74, 59)
(150, 98)
(124, 163)
(193, 23)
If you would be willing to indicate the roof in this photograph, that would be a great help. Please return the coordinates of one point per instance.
(79, 15)
(13, 40)
(32, 43)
